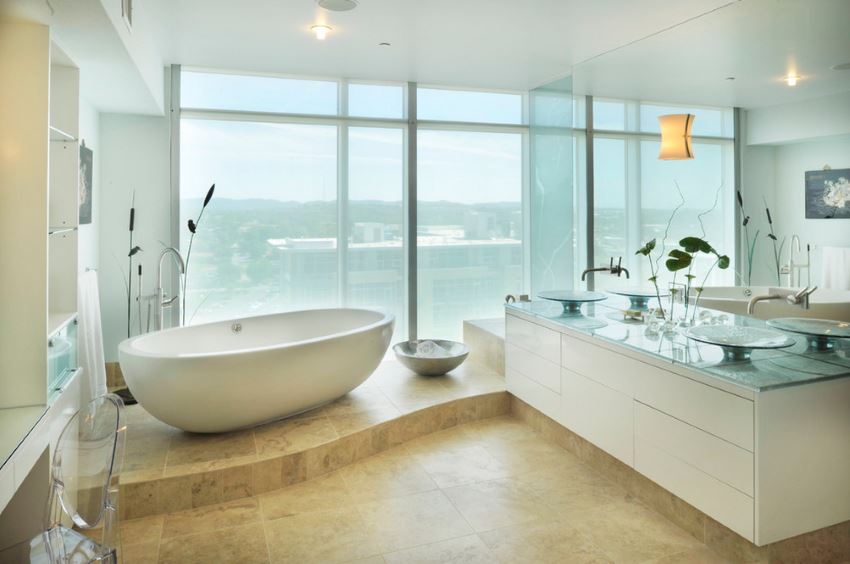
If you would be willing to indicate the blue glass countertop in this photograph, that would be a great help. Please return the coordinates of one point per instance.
(767, 369)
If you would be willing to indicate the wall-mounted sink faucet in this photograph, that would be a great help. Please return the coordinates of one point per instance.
(800, 297)
(612, 268)
(160, 300)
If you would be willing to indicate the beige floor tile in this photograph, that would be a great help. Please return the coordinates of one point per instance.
(463, 550)
(293, 435)
(393, 473)
(139, 531)
(449, 439)
(527, 455)
(630, 532)
(140, 553)
(349, 423)
(572, 489)
(323, 536)
(498, 503)
(450, 468)
(543, 543)
(414, 520)
(501, 430)
(702, 555)
(211, 518)
(377, 559)
(320, 494)
(245, 544)
(190, 448)
(364, 398)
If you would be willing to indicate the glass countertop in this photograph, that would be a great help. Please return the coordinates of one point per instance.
(766, 370)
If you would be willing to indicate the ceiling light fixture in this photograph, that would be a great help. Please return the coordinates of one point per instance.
(676, 137)
(321, 31)
(338, 5)
(792, 79)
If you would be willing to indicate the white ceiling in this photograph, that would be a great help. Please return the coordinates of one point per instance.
(509, 44)
(756, 41)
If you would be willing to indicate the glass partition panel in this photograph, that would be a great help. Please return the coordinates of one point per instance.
(552, 199)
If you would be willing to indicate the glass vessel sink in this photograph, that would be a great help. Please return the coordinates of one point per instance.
(638, 297)
(738, 342)
(820, 333)
(572, 299)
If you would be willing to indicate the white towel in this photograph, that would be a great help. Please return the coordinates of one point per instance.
(835, 268)
(90, 339)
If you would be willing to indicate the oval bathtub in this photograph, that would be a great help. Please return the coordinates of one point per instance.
(233, 374)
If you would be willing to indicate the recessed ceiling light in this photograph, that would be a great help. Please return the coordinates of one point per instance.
(730, 78)
(842, 66)
(338, 5)
(792, 79)
(321, 31)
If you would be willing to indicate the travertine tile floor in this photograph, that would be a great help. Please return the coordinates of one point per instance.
(487, 491)
(155, 450)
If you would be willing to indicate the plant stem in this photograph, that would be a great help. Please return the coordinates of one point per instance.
(700, 289)
(186, 265)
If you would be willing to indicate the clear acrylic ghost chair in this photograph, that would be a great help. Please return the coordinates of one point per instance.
(84, 488)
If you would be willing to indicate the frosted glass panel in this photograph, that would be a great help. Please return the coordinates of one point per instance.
(552, 198)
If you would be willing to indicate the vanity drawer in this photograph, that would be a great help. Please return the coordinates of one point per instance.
(728, 463)
(533, 338)
(539, 397)
(601, 415)
(720, 413)
(537, 368)
(708, 494)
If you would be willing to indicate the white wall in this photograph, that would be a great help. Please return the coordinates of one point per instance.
(806, 120)
(89, 253)
(791, 163)
(135, 155)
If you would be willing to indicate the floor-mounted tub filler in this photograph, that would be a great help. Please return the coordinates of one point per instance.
(233, 374)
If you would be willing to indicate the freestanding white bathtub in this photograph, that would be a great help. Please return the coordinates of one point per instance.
(233, 374)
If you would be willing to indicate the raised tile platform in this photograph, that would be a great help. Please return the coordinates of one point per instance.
(486, 341)
(166, 469)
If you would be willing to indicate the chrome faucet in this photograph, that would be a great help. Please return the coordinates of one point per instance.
(612, 268)
(160, 301)
(792, 266)
(800, 298)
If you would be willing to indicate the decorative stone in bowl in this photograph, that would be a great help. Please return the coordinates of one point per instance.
(821, 333)
(431, 357)
(572, 299)
(738, 342)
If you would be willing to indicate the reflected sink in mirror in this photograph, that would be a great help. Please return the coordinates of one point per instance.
(572, 299)
(821, 334)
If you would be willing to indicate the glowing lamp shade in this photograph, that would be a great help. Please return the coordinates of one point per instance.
(676, 137)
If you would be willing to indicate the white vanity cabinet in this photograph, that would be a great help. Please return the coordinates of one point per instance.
(769, 465)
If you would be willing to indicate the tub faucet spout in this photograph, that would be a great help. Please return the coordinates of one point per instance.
(161, 302)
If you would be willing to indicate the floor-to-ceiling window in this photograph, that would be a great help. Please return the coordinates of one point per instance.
(310, 207)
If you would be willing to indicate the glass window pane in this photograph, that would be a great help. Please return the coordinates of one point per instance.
(267, 241)
(712, 122)
(468, 106)
(469, 227)
(375, 260)
(609, 206)
(376, 100)
(204, 90)
(609, 115)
